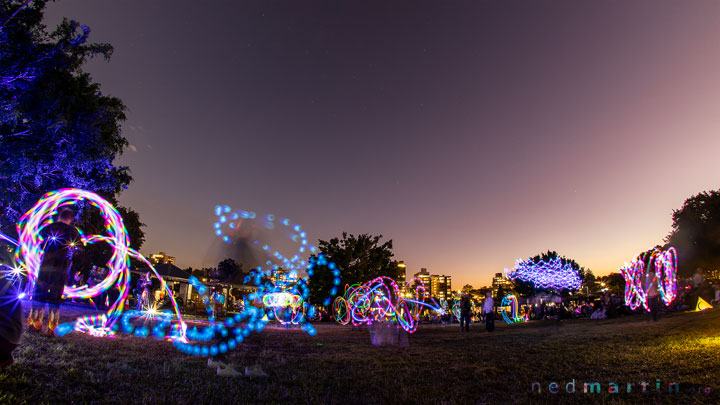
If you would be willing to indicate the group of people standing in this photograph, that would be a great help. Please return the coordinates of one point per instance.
(488, 312)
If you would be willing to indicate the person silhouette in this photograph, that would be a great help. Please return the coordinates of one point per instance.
(60, 242)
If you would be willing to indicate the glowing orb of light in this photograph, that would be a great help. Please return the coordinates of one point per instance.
(282, 300)
(290, 306)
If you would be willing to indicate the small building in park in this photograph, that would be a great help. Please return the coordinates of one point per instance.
(177, 280)
(236, 290)
(185, 294)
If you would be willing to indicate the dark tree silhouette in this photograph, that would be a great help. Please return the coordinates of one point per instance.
(615, 282)
(523, 288)
(590, 283)
(359, 259)
(199, 273)
(696, 233)
(227, 270)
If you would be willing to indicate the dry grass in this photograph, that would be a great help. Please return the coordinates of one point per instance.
(441, 365)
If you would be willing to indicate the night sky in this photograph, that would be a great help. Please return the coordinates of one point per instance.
(470, 133)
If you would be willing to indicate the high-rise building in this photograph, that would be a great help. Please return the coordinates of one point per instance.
(423, 276)
(440, 286)
(498, 281)
(437, 286)
(401, 280)
(162, 258)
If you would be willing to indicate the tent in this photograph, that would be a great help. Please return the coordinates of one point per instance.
(702, 305)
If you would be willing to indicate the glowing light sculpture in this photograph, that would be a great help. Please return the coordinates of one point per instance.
(456, 310)
(380, 301)
(665, 266)
(549, 273)
(510, 301)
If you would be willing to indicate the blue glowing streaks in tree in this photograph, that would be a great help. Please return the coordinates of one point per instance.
(548, 271)
(57, 130)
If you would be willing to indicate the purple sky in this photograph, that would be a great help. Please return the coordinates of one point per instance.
(471, 133)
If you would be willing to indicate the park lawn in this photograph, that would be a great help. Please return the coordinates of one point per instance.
(440, 365)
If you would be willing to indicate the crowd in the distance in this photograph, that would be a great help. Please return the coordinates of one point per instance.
(603, 305)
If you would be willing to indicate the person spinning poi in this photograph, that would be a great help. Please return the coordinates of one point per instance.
(218, 301)
(143, 286)
(60, 242)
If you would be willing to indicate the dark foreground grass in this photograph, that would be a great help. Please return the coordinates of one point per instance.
(441, 365)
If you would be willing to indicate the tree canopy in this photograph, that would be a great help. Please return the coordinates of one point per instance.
(360, 258)
(227, 270)
(590, 283)
(57, 129)
(696, 233)
(615, 282)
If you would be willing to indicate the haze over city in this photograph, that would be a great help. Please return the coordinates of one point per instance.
(469, 136)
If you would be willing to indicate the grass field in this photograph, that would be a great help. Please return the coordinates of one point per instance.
(440, 365)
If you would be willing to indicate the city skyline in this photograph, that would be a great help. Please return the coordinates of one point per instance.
(470, 135)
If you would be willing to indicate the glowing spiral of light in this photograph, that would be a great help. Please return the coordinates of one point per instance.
(228, 221)
(284, 294)
(29, 254)
(665, 265)
(227, 218)
(380, 301)
(213, 336)
(511, 301)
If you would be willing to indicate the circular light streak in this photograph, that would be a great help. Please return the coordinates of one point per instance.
(29, 253)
